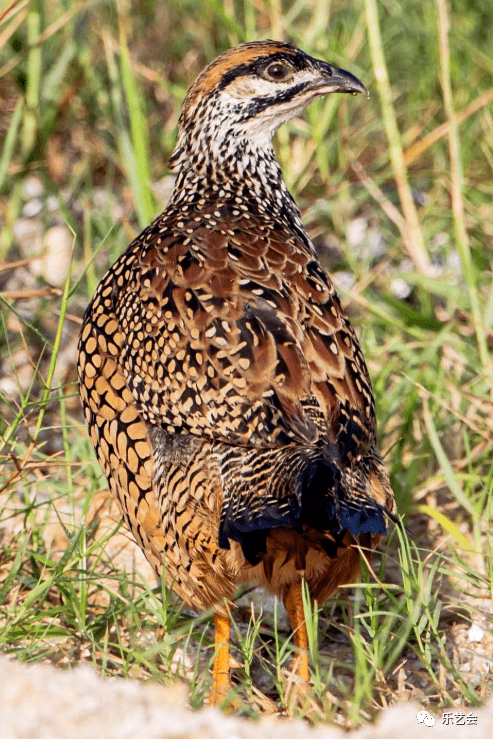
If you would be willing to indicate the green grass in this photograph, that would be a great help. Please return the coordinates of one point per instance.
(89, 101)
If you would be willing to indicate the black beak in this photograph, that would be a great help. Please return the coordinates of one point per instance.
(335, 80)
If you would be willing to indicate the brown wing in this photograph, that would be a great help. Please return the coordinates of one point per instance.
(168, 491)
(236, 333)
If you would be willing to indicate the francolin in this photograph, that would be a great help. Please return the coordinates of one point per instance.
(225, 390)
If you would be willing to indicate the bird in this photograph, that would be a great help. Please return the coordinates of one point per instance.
(224, 388)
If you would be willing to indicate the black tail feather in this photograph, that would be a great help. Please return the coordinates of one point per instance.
(312, 494)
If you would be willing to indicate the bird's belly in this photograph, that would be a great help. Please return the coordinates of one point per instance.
(292, 555)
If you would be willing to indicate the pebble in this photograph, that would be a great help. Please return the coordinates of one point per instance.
(57, 242)
(32, 187)
(475, 633)
(368, 244)
(29, 235)
(400, 288)
(356, 231)
(32, 208)
(52, 203)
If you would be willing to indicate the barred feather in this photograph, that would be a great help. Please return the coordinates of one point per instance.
(224, 388)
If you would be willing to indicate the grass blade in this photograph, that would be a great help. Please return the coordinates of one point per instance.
(414, 241)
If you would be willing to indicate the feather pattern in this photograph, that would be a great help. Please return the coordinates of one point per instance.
(224, 388)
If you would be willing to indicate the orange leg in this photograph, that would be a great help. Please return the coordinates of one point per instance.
(293, 602)
(221, 682)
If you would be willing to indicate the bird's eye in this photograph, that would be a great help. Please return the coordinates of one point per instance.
(277, 71)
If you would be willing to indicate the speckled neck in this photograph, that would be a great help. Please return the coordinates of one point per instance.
(249, 178)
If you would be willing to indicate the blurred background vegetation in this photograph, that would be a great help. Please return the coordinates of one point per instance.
(397, 194)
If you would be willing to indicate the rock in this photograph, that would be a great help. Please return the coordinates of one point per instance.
(55, 264)
(51, 250)
(475, 633)
(400, 288)
(365, 242)
(32, 208)
(39, 701)
(32, 187)
(29, 235)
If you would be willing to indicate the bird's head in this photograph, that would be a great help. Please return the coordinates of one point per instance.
(237, 101)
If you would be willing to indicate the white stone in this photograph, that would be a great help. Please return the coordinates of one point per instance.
(475, 633)
(400, 288)
(32, 208)
(57, 243)
(32, 187)
(356, 231)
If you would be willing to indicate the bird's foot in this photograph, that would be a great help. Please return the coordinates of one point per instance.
(222, 690)
(298, 685)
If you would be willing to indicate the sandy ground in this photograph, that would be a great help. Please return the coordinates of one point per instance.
(39, 701)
